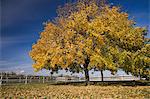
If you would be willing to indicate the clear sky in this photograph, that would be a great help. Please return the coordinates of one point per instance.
(21, 23)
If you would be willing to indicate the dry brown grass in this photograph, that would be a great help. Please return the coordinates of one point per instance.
(45, 91)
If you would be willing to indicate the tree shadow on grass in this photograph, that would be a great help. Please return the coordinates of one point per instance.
(106, 83)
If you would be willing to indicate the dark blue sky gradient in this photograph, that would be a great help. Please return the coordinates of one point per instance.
(21, 23)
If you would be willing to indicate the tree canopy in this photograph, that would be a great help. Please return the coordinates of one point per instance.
(93, 35)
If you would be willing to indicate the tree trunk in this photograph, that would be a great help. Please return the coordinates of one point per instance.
(147, 78)
(86, 70)
(102, 77)
(140, 77)
(86, 75)
(51, 75)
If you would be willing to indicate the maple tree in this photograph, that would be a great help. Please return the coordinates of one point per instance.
(88, 34)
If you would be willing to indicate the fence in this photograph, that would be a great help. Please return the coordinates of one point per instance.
(25, 79)
(115, 78)
(46, 79)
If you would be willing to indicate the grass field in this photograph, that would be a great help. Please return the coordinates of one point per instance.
(46, 91)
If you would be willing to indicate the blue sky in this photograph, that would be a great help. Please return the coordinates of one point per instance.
(21, 23)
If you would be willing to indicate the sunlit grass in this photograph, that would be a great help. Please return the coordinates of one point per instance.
(74, 92)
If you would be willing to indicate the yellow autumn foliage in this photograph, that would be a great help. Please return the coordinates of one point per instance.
(104, 35)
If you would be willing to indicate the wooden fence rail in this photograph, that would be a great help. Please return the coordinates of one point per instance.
(46, 79)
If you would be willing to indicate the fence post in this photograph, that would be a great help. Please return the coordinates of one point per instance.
(6, 78)
(30, 79)
(19, 79)
(26, 80)
(1, 79)
(46, 79)
(43, 79)
(122, 78)
(39, 79)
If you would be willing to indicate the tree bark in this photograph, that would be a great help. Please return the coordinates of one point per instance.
(51, 75)
(86, 75)
(86, 70)
(102, 77)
